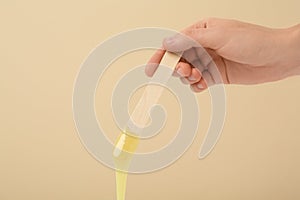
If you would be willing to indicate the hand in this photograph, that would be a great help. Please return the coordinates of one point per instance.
(233, 53)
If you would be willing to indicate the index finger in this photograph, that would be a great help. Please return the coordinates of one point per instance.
(154, 61)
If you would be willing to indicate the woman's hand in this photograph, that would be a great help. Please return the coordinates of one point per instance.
(241, 53)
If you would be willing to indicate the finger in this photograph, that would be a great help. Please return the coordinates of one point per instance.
(178, 43)
(209, 81)
(198, 65)
(154, 61)
(217, 75)
(184, 80)
(195, 76)
(183, 69)
(175, 74)
(196, 57)
(190, 55)
(199, 86)
(203, 55)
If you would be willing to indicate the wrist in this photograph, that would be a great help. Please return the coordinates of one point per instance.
(297, 51)
(290, 51)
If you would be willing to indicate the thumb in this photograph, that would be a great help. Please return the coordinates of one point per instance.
(206, 37)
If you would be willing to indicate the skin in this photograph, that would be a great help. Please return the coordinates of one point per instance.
(231, 52)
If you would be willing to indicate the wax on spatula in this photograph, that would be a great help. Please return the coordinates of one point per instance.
(128, 140)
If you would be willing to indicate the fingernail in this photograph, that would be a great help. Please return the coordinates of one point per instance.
(191, 78)
(179, 71)
(200, 86)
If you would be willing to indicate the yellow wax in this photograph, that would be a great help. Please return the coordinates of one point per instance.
(125, 147)
(121, 179)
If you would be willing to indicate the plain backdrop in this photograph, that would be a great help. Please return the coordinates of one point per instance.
(42, 45)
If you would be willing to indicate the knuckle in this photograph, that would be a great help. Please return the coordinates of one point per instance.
(210, 21)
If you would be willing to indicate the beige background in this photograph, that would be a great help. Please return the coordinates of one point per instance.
(42, 45)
